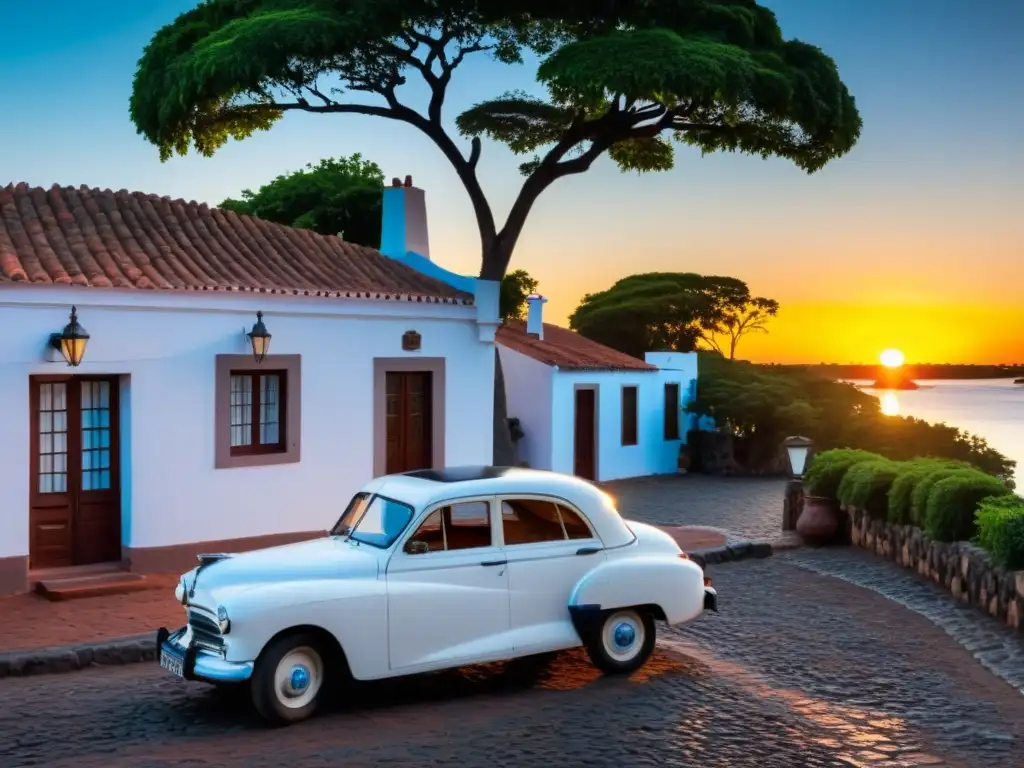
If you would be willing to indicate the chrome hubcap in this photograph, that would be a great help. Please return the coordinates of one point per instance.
(623, 635)
(298, 677)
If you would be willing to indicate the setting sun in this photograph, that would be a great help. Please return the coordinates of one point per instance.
(891, 358)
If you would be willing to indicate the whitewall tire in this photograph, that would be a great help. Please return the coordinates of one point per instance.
(623, 641)
(289, 680)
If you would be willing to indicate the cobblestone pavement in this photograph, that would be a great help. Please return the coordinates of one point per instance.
(996, 647)
(797, 670)
(748, 508)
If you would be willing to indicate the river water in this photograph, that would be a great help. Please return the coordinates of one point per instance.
(990, 408)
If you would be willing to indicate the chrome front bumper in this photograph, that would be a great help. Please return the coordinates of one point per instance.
(185, 659)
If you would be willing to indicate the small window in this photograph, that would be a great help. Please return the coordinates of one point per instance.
(672, 411)
(629, 426)
(257, 412)
(533, 521)
(466, 525)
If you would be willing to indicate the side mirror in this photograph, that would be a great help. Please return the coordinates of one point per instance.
(415, 547)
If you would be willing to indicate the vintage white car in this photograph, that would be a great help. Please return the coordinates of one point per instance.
(434, 569)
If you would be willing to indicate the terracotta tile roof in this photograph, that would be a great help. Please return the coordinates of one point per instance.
(567, 349)
(105, 239)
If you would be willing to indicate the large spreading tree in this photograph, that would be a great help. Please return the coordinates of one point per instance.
(623, 78)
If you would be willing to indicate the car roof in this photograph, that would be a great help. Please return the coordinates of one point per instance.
(424, 487)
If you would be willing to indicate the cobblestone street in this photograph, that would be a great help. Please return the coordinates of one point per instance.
(799, 669)
(748, 508)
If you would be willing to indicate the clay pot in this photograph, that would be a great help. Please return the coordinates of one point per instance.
(818, 521)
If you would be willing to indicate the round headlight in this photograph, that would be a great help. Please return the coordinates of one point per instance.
(179, 593)
(223, 620)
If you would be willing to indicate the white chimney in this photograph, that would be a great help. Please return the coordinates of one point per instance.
(404, 220)
(535, 315)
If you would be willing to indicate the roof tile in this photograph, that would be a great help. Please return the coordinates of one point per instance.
(567, 349)
(104, 239)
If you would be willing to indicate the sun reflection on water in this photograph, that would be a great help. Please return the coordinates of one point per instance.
(890, 404)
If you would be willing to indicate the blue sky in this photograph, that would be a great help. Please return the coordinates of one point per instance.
(926, 211)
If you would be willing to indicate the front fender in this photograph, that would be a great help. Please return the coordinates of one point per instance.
(672, 583)
(354, 611)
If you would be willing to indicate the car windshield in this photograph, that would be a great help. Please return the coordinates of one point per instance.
(373, 520)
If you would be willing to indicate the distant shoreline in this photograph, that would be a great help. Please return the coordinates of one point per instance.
(916, 372)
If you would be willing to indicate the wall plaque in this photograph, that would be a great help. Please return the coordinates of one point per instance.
(411, 341)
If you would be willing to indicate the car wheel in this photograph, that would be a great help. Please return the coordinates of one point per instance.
(623, 641)
(288, 682)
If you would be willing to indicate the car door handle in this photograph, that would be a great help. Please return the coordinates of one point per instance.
(488, 563)
(588, 551)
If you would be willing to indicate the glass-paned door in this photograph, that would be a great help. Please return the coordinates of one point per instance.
(75, 513)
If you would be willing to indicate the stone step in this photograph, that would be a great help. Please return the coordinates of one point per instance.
(98, 585)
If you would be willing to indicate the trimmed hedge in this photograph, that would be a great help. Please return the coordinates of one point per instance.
(828, 467)
(953, 500)
(907, 478)
(923, 489)
(1000, 523)
(866, 485)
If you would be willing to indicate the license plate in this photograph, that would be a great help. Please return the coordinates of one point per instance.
(172, 664)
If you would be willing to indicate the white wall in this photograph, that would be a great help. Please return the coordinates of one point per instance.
(166, 351)
(652, 454)
(528, 386)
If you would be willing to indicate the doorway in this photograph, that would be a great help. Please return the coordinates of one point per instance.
(74, 471)
(585, 434)
(410, 418)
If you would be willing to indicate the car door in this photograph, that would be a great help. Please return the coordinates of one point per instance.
(448, 589)
(550, 546)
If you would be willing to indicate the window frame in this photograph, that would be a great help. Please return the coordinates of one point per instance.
(429, 510)
(255, 447)
(677, 435)
(289, 367)
(502, 498)
(631, 437)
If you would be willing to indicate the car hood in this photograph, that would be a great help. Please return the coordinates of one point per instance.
(331, 557)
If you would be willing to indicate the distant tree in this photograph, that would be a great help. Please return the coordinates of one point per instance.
(515, 287)
(737, 322)
(337, 196)
(663, 310)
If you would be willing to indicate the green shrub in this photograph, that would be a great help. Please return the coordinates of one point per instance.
(828, 467)
(908, 476)
(919, 496)
(1000, 523)
(866, 486)
(953, 500)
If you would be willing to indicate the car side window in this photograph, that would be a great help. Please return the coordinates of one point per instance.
(465, 525)
(533, 521)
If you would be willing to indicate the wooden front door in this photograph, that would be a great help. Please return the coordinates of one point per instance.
(409, 421)
(585, 442)
(74, 473)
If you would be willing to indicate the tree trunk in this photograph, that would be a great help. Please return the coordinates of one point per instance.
(504, 454)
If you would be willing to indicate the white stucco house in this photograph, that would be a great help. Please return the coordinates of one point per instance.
(590, 410)
(169, 437)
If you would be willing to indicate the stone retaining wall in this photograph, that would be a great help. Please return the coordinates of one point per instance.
(964, 569)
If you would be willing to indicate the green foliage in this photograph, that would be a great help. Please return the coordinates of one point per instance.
(923, 488)
(865, 485)
(953, 501)
(666, 311)
(515, 287)
(1000, 522)
(907, 478)
(334, 197)
(827, 469)
(625, 78)
(762, 405)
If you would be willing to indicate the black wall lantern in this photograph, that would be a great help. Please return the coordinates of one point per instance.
(71, 342)
(259, 338)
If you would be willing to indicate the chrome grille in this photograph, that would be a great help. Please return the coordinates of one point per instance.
(205, 628)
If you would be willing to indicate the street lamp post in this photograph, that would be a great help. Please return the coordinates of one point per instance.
(798, 450)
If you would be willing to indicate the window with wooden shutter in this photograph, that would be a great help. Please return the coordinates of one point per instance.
(672, 411)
